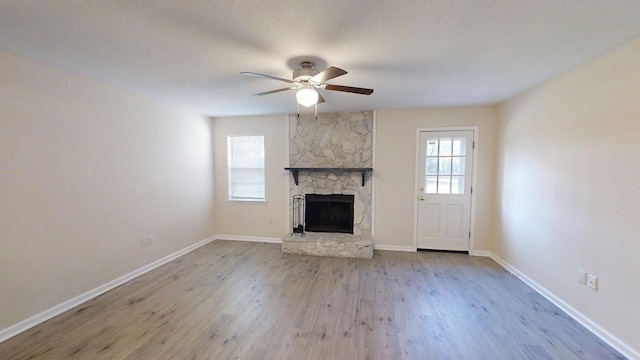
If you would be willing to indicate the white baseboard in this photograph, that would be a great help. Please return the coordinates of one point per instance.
(249, 238)
(413, 249)
(24, 325)
(483, 253)
(394, 248)
(596, 329)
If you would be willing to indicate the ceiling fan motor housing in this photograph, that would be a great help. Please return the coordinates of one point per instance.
(305, 72)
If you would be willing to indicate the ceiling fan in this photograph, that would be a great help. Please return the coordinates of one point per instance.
(306, 80)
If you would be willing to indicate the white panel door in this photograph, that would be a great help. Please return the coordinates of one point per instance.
(444, 196)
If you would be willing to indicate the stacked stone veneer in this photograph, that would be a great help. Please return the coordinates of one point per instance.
(329, 244)
(335, 140)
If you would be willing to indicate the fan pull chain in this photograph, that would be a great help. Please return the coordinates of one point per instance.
(316, 111)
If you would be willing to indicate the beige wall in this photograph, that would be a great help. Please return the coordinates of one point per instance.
(395, 173)
(568, 195)
(267, 220)
(86, 171)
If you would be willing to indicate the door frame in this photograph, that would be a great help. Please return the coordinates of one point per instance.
(474, 181)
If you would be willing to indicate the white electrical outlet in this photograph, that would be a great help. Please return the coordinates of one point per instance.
(592, 282)
(582, 277)
(147, 240)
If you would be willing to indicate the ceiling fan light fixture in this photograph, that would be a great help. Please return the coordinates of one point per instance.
(307, 95)
(307, 80)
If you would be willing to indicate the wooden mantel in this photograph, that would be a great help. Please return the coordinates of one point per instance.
(295, 170)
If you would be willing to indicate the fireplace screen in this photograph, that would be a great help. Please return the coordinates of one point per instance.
(329, 213)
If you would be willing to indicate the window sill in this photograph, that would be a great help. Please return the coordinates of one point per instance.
(248, 201)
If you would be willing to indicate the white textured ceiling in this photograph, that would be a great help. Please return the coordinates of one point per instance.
(413, 53)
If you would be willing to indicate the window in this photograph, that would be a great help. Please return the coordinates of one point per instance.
(445, 165)
(246, 167)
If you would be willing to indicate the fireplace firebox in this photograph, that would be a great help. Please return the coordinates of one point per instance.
(329, 213)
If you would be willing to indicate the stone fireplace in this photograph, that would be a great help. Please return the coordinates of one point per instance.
(332, 149)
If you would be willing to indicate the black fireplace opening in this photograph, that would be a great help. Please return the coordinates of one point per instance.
(329, 213)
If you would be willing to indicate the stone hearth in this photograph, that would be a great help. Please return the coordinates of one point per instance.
(329, 244)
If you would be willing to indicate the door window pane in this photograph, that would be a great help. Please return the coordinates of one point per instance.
(445, 165)
(457, 165)
(445, 147)
(432, 166)
(432, 147)
(431, 184)
(457, 184)
(459, 147)
(444, 184)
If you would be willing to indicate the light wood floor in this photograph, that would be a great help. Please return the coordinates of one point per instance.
(238, 300)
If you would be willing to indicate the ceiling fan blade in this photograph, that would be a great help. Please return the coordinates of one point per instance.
(267, 76)
(327, 74)
(275, 91)
(350, 89)
(320, 98)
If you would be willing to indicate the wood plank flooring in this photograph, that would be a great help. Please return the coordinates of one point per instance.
(239, 300)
